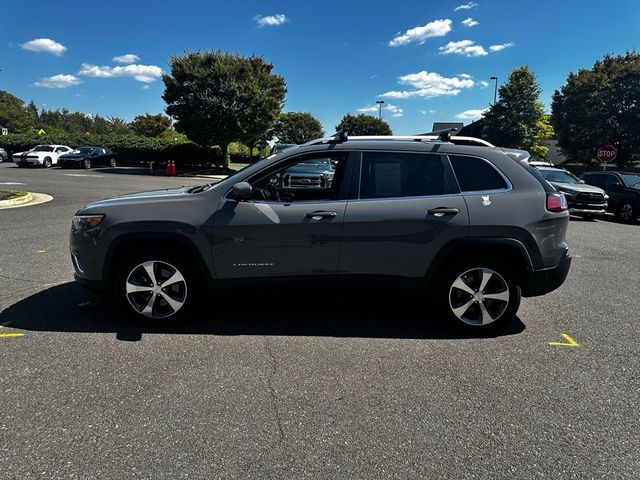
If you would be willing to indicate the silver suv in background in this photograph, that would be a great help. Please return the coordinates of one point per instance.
(475, 226)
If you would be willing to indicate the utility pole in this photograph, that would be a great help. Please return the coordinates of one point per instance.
(380, 102)
(495, 92)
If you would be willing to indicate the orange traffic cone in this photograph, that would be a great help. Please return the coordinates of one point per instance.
(150, 169)
(168, 168)
(173, 168)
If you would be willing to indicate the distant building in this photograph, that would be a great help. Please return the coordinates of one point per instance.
(446, 125)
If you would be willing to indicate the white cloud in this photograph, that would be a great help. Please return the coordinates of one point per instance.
(471, 114)
(44, 45)
(146, 87)
(271, 20)
(141, 73)
(484, 84)
(437, 28)
(465, 75)
(394, 110)
(466, 6)
(127, 58)
(58, 81)
(464, 47)
(502, 46)
(430, 84)
(469, 22)
(428, 112)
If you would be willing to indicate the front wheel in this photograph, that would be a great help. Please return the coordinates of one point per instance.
(157, 286)
(113, 163)
(47, 162)
(479, 293)
(86, 163)
(626, 212)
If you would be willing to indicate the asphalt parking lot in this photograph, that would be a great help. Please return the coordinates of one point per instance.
(366, 384)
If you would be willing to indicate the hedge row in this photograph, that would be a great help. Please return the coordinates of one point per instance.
(131, 149)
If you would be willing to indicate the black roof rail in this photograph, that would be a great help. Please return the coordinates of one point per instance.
(444, 135)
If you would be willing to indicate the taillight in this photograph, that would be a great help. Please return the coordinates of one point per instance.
(556, 202)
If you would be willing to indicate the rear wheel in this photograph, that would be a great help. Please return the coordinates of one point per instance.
(86, 163)
(626, 211)
(479, 293)
(47, 162)
(157, 286)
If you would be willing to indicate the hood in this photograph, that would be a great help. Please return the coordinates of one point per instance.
(577, 187)
(139, 198)
(73, 156)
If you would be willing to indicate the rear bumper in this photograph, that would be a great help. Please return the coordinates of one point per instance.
(548, 279)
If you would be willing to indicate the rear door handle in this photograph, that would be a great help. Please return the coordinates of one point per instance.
(442, 211)
(321, 214)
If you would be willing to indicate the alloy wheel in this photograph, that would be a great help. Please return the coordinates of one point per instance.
(112, 163)
(626, 212)
(156, 289)
(86, 163)
(479, 296)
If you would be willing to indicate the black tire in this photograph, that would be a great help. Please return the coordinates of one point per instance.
(113, 163)
(473, 268)
(47, 162)
(627, 211)
(129, 270)
(86, 163)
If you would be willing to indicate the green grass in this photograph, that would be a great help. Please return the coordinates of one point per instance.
(10, 194)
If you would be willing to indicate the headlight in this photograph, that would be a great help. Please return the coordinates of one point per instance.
(606, 197)
(85, 222)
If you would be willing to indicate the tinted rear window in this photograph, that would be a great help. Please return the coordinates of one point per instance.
(476, 175)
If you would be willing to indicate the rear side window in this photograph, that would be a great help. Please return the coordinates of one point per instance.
(594, 179)
(394, 174)
(476, 175)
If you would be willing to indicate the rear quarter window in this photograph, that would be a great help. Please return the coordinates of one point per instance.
(475, 174)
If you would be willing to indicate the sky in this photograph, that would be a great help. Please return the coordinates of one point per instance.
(427, 60)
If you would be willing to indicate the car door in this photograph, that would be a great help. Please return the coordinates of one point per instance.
(406, 208)
(613, 185)
(298, 233)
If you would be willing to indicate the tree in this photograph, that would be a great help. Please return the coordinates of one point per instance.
(13, 114)
(149, 125)
(118, 125)
(600, 106)
(517, 118)
(363, 125)
(297, 127)
(217, 97)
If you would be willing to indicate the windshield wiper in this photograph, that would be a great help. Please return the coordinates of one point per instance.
(200, 188)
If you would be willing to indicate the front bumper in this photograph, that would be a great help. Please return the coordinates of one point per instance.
(587, 208)
(543, 281)
(28, 161)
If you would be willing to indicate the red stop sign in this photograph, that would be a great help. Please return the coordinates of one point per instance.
(607, 153)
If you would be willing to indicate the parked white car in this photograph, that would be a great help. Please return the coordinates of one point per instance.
(41, 155)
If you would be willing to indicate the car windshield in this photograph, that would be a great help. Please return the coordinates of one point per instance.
(42, 148)
(632, 181)
(83, 150)
(559, 176)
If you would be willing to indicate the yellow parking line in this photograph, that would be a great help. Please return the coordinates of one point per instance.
(6, 335)
(570, 342)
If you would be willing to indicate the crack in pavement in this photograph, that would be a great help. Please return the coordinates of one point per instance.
(272, 391)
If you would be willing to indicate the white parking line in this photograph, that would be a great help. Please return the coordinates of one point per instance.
(82, 175)
(12, 183)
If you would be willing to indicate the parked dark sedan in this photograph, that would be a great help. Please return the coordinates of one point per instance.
(88, 157)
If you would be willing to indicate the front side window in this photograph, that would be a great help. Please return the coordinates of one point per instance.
(43, 148)
(306, 178)
(393, 174)
(632, 181)
(594, 179)
(476, 175)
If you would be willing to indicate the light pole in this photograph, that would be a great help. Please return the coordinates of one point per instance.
(380, 102)
(495, 92)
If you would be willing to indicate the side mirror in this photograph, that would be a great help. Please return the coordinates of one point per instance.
(582, 181)
(617, 186)
(242, 191)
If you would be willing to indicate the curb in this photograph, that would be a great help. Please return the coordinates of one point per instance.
(16, 201)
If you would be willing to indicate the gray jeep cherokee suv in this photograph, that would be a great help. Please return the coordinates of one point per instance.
(476, 224)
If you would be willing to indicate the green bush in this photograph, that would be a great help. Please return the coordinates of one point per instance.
(131, 149)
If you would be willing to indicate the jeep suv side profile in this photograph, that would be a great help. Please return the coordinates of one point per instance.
(476, 223)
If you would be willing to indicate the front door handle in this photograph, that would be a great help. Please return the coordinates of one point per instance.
(321, 214)
(442, 211)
